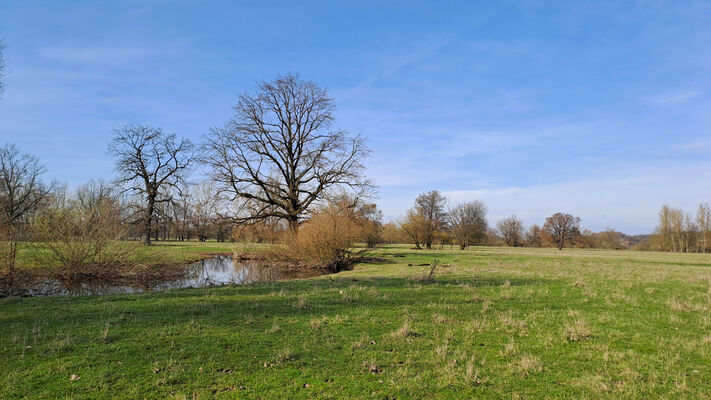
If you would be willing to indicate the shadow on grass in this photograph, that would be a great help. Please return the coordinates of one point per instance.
(227, 305)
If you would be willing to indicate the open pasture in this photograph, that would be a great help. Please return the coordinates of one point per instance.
(493, 323)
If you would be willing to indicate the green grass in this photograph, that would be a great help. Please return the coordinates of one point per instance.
(496, 323)
(161, 252)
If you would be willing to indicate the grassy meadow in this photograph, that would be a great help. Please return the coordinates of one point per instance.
(494, 323)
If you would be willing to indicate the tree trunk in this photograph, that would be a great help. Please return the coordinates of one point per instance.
(148, 221)
(293, 224)
(11, 258)
(703, 241)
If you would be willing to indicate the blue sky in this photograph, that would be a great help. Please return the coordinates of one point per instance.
(601, 109)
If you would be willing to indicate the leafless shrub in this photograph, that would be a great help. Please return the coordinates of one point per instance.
(324, 241)
(77, 240)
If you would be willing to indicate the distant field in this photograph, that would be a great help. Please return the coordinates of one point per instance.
(495, 323)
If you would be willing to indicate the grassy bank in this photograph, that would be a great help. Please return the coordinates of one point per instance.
(496, 322)
(168, 252)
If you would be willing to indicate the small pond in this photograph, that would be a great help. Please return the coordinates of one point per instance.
(216, 271)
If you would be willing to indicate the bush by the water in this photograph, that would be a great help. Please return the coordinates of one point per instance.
(324, 241)
(75, 237)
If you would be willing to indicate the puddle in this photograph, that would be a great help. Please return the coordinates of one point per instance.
(217, 271)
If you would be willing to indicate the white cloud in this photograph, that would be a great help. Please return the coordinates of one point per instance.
(626, 204)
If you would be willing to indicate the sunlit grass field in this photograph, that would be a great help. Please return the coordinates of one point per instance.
(494, 323)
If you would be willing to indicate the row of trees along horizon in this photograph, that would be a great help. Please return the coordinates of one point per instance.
(277, 164)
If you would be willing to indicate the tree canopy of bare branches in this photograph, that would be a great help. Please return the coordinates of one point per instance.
(21, 193)
(414, 227)
(562, 227)
(21, 189)
(431, 207)
(511, 229)
(533, 236)
(150, 163)
(467, 222)
(280, 156)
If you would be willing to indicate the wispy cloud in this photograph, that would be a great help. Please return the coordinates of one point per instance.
(674, 98)
(695, 146)
(396, 61)
(92, 54)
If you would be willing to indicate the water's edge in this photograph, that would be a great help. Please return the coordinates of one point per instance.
(219, 270)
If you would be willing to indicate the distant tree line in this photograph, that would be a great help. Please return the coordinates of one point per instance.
(431, 221)
(679, 231)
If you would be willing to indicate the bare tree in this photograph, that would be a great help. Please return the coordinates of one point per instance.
(414, 227)
(180, 215)
(610, 239)
(703, 221)
(467, 221)
(92, 193)
(370, 218)
(203, 210)
(562, 227)
(21, 193)
(511, 229)
(366, 216)
(533, 236)
(150, 163)
(671, 230)
(280, 155)
(431, 207)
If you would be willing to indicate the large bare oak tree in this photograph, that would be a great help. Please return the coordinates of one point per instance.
(280, 154)
(562, 227)
(150, 163)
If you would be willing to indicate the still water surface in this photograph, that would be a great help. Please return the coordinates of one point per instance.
(217, 271)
